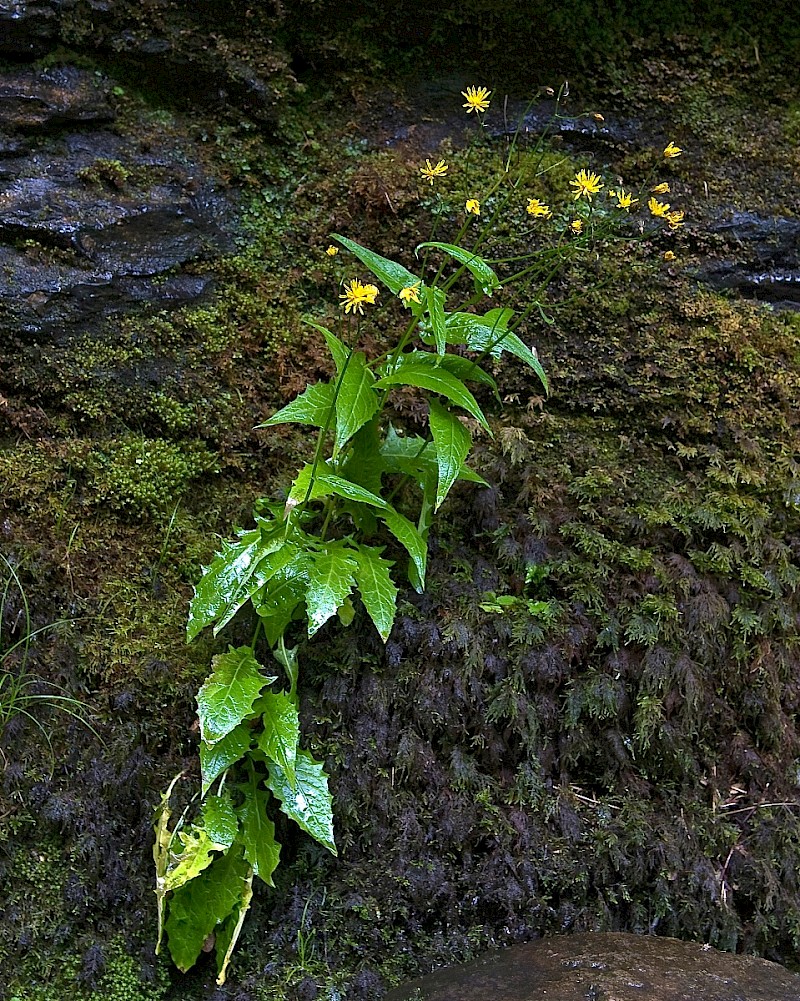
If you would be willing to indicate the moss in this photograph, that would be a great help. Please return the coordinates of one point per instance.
(105, 172)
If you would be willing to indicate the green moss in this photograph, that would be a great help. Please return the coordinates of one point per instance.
(142, 476)
(105, 172)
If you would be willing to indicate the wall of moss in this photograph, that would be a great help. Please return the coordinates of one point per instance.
(607, 648)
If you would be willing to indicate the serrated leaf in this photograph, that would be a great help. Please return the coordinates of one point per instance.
(308, 802)
(312, 407)
(342, 487)
(394, 276)
(203, 903)
(364, 465)
(227, 933)
(281, 733)
(261, 849)
(228, 694)
(220, 821)
(515, 346)
(330, 581)
(486, 280)
(262, 571)
(281, 596)
(377, 589)
(216, 758)
(435, 299)
(453, 442)
(223, 588)
(357, 402)
(195, 853)
(408, 537)
(413, 456)
(437, 380)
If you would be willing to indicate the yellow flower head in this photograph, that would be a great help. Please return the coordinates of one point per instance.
(598, 117)
(477, 99)
(672, 151)
(410, 293)
(624, 198)
(675, 219)
(430, 172)
(661, 189)
(576, 226)
(332, 251)
(537, 208)
(658, 209)
(355, 295)
(473, 206)
(586, 183)
(669, 255)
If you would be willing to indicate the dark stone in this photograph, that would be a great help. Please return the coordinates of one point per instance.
(53, 98)
(607, 967)
(93, 223)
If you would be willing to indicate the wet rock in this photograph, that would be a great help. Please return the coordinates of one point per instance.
(53, 98)
(94, 223)
(607, 967)
(760, 258)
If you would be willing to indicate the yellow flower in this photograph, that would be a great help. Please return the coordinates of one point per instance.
(598, 117)
(576, 226)
(624, 199)
(537, 208)
(675, 219)
(668, 255)
(355, 295)
(473, 206)
(661, 189)
(659, 209)
(430, 172)
(410, 293)
(332, 251)
(672, 151)
(586, 183)
(477, 99)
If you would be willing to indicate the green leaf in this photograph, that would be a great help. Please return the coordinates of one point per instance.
(228, 694)
(330, 581)
(216, 758)
(205, 902)
(357, 402)
(377, 588)
(308, 802)
(437, 380)
(220, 821)
(489, 333)
(196, 854)
(281, 733)
(408, 537)
(311, 407)
(342, 487)
(434, 298)
(261, 849)
(262, 571)
(281, 596)
(394, 276)
(453, 443)
(413, 456)
(364, 465)
(486, 280)
(227, 934)
(461, 368)
(338, 350)
(223, 588)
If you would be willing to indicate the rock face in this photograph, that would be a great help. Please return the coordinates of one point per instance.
(607, 967)
(94, 220)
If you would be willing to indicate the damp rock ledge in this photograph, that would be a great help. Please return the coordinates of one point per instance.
(607, 967)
